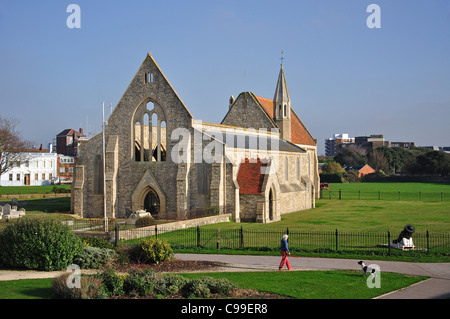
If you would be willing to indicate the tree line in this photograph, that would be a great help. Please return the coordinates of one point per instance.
(386, 161)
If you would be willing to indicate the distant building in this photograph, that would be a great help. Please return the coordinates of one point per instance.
(67, 142)
(404, 145)
(371, 142)
(65, 168)
(35, 167)
(368, 143)
(362, 169)
(334, 143)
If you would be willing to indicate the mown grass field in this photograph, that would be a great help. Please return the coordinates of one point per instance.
(11, 190)
(366, 222)
(316, 284)
(428, 192)
(360, 216)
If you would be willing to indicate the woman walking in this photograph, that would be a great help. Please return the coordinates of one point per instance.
(284, 252)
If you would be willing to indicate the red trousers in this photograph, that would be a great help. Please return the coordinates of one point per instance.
(284, 260)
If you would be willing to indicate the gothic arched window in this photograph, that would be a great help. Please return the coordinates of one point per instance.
(149, 133)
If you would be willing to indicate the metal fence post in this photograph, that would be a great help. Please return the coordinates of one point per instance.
(116, 235)
(428, 242)
(389, 243)
(198, 236)
(336, 233)
(156, 231)
(218, 238)
(241, 238)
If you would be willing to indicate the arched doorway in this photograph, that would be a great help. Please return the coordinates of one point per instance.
(151, 203)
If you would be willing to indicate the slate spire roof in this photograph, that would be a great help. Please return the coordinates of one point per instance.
(281, 92)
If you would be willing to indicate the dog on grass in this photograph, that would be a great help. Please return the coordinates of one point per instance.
(366, 269)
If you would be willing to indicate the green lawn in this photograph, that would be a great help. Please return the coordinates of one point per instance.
(26, 289)
(405, 187)
(429, 192)
(316, 284)
(10, 190)
(295, 284)
(360, 216)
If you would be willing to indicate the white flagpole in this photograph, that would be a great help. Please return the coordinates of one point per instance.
(104, 170)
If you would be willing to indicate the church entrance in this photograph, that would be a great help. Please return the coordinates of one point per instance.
(151, 203)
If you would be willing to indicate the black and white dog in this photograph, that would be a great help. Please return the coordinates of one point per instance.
(366, 269)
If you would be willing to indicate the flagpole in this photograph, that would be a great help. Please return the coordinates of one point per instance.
(104, 163)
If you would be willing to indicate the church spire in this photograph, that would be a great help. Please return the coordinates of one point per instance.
(282, 105)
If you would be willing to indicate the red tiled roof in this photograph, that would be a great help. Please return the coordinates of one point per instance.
(299, 133)
(249, 177)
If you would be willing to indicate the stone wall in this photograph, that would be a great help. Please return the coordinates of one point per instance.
(183, 224)
(246, 112)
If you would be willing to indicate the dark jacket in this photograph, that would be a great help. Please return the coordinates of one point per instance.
(284, 245)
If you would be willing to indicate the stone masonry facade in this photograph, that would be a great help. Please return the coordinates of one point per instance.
(159, 158)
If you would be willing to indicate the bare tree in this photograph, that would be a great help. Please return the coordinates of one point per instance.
(378, 161)
(11, 144)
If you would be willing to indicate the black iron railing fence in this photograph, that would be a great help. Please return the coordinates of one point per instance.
(240, 238)
(389, 195)
(298, 240)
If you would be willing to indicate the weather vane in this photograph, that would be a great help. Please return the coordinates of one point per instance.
(282, 58)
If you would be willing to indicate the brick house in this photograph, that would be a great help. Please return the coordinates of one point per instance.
(362, 169)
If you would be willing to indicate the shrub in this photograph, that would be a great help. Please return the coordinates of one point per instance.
(196, 288)
(145, 221)
(123, 254)
(113, 282)
(60, 190)
(219, 286)
(170, 284)
(96, 242)
(139, 283)
(38, 243)
(93, 257)
(152, 251)
(90, 288)
(205, 286)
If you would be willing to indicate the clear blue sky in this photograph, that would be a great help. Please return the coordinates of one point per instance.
(343, 77)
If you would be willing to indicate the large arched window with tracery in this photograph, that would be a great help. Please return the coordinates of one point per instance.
(149, 133)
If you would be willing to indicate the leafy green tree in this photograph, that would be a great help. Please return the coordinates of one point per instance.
(351, 156)
(332, 168)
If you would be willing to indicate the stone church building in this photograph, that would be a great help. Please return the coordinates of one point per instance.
(260, 162)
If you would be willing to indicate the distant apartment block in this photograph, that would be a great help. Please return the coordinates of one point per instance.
(335, 142)
(368, 143)
(405, 145)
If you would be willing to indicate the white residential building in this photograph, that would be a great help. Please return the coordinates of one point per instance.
(33, 168)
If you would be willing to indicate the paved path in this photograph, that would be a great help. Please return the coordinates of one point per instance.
(437, 287)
